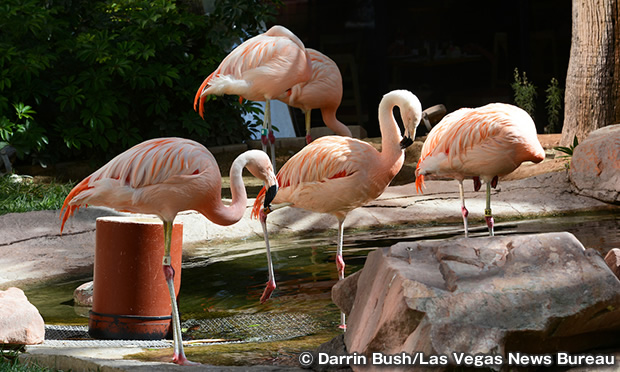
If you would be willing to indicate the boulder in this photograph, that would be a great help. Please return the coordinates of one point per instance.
(595, 165)
(83, 295)
(537, 294)
(20, 321)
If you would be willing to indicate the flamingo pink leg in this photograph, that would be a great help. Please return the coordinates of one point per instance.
(271, 282)
(340, 266)
(179, 355)
(308, 125)
(263, 139)
(487, 211)
(477, 183)
(464, 210)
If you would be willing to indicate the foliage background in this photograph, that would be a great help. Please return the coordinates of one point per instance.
(103, 75)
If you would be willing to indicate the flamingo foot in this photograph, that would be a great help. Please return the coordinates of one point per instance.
(343, 322)
(181, 360)
(477, 183)
(308, 139)
(271, 285)
(340, 265)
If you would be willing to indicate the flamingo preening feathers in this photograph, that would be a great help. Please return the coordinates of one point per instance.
(335, 174)
(165, 176)
(481, 143)
(261, 68)
(323, 91)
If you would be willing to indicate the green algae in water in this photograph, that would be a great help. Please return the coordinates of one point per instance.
(54, 300)
(227, 279)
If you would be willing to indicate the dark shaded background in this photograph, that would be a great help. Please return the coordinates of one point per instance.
(457, 53)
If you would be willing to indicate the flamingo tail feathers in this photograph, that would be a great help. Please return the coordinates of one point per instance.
(419, 184)
(67, 210)
(419, 179)
(199, 99)
(258, 204)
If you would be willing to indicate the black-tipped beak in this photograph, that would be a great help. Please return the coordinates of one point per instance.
(270, 195)
(405, 142)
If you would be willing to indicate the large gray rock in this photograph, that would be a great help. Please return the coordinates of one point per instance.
(20, 321)
(595, 165)
(538, 294)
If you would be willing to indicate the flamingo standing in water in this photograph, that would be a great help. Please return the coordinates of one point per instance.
(322, 91)
(481, 143)
(165, 176)
(335, 174)
(261, 68)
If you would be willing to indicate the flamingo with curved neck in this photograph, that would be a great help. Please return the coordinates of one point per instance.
(337, 174)
(165, 176)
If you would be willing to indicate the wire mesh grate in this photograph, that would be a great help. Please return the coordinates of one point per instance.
(259, 327)
(253, 327)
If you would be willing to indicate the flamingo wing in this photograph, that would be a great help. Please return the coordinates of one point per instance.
(262, 67)
(323, 89)
(122, 182)
(325, 176)
(488, 141)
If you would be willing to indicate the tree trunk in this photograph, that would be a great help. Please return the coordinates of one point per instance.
(593, 78)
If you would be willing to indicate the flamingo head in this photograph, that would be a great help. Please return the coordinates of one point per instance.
(260, 166)
(411, 113)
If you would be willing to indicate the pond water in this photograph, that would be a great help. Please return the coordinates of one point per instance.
(228, 279)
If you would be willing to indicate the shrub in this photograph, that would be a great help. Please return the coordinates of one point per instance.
(21, 132)
(104, 75)
(524, 93)
(555, 96)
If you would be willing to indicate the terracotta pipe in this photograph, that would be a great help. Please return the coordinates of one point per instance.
(130, 296)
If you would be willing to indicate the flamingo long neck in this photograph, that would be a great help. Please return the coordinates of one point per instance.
(221, 214)
(390, 132)
(329, 117)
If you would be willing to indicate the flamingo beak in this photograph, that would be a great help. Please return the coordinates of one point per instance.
(270, 194)
(405, 142)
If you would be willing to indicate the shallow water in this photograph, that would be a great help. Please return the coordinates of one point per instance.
(228, 279)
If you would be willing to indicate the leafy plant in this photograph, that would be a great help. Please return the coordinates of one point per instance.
(524, 93)
(568, 151)
(104, 75)
(555, 96)
(22, 133)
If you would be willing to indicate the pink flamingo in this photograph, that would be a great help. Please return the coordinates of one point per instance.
(261, 68)
(335, 174)
(165, 176)
(322, 91)
(481, 143)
